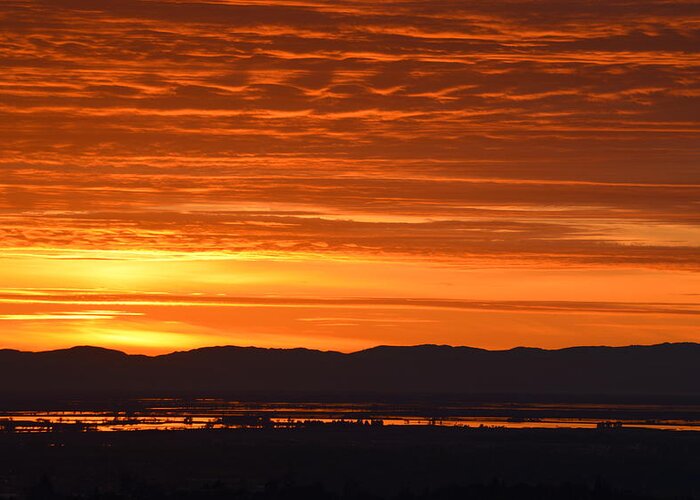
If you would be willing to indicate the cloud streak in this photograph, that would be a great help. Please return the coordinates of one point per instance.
(497, 135)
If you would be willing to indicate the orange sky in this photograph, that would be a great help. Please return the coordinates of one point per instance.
(341, 174)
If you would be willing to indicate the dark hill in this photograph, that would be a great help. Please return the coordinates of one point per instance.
(666, 370)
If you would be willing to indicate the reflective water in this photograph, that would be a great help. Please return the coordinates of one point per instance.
(173, 414)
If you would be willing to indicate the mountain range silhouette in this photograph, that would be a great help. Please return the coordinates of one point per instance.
(636, 371)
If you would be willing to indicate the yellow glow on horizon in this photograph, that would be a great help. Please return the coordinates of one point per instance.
(258, 302)
(476, 177)
(133, 339)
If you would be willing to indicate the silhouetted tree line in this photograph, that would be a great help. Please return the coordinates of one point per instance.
(43, 489)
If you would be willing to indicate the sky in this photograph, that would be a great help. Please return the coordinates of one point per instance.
(342, 174)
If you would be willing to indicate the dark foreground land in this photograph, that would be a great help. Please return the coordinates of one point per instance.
(353, 463)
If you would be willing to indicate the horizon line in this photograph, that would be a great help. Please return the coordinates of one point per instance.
(331, 351)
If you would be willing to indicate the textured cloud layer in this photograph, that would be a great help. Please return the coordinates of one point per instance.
(504, 134)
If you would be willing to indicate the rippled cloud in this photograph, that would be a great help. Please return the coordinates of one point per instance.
(509, 134)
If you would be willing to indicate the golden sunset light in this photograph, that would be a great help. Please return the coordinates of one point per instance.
(339, 175)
